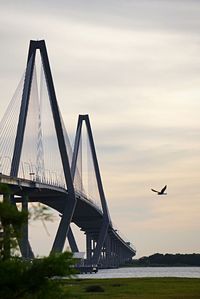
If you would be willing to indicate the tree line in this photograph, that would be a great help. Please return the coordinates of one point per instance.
(167, 259)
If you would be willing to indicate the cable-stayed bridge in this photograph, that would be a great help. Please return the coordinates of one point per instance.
(38, 164)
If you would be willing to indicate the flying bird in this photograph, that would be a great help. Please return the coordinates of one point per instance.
(161, 192)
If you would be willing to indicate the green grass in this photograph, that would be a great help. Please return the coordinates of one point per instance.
(132, 288)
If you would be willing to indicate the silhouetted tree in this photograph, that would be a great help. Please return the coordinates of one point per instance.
(21, 278)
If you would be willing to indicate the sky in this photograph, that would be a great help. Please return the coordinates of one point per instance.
(134, 67)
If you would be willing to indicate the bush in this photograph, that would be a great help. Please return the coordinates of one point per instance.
(94, 289)
(33, 279)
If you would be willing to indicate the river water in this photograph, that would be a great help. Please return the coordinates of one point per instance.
(191, 272)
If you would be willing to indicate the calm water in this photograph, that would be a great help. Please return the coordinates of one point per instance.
(146, 272)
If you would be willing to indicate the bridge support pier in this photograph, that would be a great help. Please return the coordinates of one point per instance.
(91, 243)
(88, 247)
(24, 239)
(6, 233)
(106, 259)
(24, 244)
(112, 253)
(115, 255)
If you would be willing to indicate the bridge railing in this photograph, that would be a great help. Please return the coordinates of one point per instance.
(29, 171)
(123, 237)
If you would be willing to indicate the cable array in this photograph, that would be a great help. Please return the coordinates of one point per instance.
(8, 129)
(40, 157)
(85, 181)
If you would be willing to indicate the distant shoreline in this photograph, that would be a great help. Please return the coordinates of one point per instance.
(159, 266)
(166, 260)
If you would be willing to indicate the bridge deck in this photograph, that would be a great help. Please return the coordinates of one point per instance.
(87, 215)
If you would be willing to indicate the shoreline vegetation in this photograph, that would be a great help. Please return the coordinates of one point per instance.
(133, 288)
(166, 260)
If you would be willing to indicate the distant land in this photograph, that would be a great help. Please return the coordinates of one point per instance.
(167, 260)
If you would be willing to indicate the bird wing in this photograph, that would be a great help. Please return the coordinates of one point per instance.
(163, 189)
(154, 190)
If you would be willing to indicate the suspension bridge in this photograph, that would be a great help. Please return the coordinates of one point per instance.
(39, 164)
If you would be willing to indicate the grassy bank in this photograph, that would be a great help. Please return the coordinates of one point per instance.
(131, 288)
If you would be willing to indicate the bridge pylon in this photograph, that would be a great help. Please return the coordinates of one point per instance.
(71, 200)
(93, 253)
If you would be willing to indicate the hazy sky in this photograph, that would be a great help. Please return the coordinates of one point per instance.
(134, 67)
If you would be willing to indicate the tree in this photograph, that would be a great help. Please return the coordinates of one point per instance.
(11, 221)
(21, 278)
